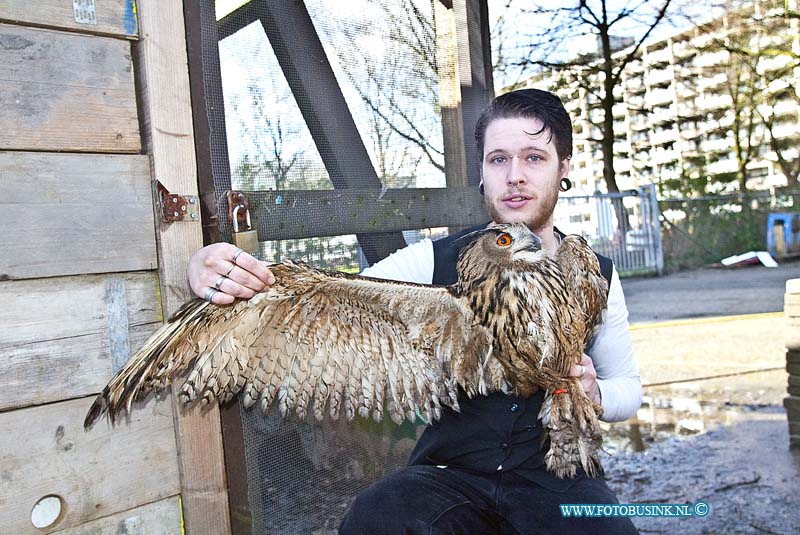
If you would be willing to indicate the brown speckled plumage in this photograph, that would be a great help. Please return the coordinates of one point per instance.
(322, 343)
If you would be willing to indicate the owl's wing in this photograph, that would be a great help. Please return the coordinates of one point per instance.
(586, 283)
(317, 342)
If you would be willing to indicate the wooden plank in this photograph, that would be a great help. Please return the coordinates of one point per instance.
(450, 96)
(474, 74)
(111, 17)
(159, 518)
(338, 212)
(167, 116)
(55, 341)
(45, 451)
(66, 92)
(100, 205)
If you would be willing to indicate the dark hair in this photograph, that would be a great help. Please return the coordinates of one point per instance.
(531, 104)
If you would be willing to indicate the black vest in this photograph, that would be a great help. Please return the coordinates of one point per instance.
(489, 431)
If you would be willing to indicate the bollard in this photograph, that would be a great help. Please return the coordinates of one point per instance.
(791, 312)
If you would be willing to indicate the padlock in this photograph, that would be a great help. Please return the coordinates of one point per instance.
(246, 240)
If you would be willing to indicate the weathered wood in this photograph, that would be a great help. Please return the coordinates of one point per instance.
(67, 214)
(159, 518)
(44, 450)
(167, 115)
(474, 73)
(66, 92)
(450, 96)
(112, 17)
(55, 344)
(338, 212)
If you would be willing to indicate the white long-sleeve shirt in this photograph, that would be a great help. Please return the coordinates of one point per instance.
(611, 350)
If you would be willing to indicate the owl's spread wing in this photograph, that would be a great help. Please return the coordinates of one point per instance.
(317, 342)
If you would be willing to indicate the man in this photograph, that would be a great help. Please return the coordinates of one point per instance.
(481, 470)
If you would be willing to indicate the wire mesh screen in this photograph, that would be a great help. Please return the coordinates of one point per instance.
(323, 101)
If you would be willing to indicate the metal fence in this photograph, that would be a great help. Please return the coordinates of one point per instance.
(699, 231)
(622, 226)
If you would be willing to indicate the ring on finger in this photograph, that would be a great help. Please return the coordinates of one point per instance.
(229, 271)
(236, 254)
(209, 294)
(219, 282)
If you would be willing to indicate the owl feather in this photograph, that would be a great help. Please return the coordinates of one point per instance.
(327, 343)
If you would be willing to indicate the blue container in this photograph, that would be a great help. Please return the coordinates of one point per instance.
(783, 233)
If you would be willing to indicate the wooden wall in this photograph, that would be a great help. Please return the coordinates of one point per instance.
(87, 272)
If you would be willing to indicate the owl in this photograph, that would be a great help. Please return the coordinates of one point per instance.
(330, 343)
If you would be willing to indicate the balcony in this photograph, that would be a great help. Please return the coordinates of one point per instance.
(717, 145)
(660, 96)
(657, 57)
(728, 165)
(662, 157)
(660, 76)
(708, 82)
(711, 59)
(664, 115)
(663, 136)
(713, 102)
(785, 130)
(619, 110)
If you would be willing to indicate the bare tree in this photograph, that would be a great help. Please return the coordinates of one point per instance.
(759, 66)
(598, 71)
(399, 88)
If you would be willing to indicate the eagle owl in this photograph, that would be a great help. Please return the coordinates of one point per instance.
(320, 342)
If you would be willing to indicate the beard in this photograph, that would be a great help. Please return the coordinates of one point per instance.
(540, 218)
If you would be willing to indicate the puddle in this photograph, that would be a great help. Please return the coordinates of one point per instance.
(686, 409)
(662, 418)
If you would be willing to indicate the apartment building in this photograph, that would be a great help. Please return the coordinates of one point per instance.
(675, 112)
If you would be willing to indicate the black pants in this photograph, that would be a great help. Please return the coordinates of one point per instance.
(450, 501)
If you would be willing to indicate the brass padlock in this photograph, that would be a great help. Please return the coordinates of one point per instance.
(246, 240)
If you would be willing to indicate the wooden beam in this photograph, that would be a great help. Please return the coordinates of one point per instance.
(96, 473)
(75, 213)
(66, 92)
(115, 18)
(316, 90)
(57, 331)
(450, 96)
(167, 116)
(208, 109)
(474, 72)
(338, 212)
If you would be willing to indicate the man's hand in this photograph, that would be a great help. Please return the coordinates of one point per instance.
(588, 376)
(213, 267)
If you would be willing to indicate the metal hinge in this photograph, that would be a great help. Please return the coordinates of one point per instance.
(174, 207)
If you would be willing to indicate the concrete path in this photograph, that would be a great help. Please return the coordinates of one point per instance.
(708, 292)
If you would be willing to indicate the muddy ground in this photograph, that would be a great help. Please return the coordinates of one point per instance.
(712, 426)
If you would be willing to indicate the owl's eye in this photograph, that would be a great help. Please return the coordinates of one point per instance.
(504, 240)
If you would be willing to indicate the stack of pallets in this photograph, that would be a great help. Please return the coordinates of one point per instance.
(791, 309)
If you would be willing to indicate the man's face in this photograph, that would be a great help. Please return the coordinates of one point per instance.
(521, 173)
